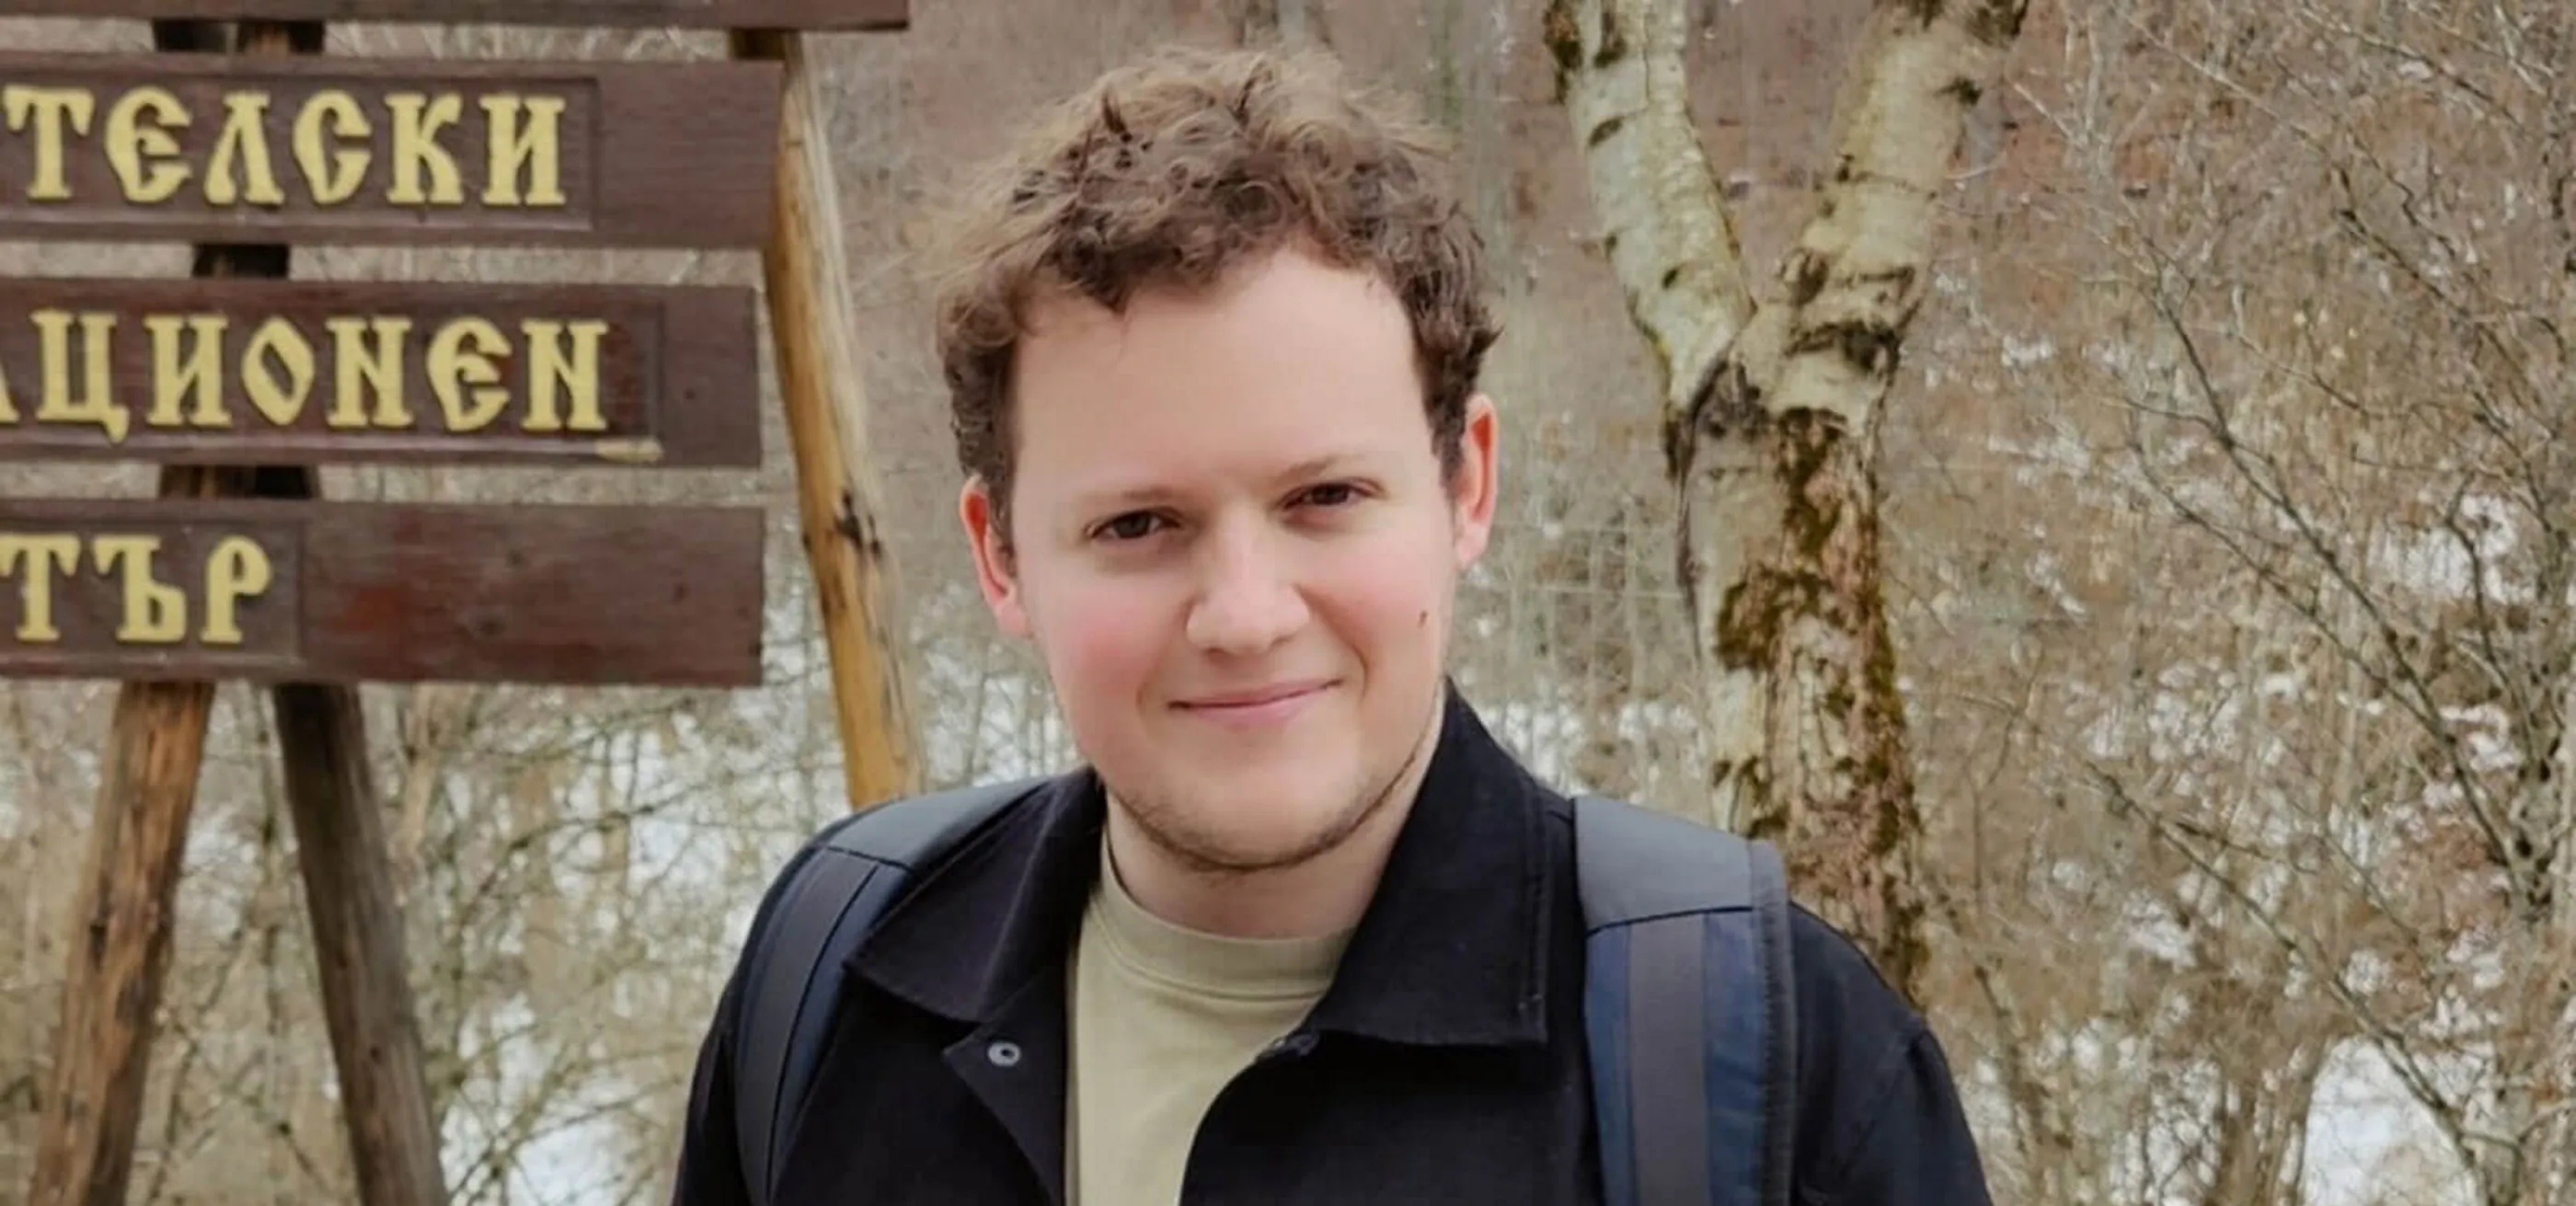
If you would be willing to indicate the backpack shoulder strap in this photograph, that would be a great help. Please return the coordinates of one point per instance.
(1688, 1008)
(829, 898)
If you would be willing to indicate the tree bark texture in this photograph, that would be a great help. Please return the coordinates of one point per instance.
(1771, 417)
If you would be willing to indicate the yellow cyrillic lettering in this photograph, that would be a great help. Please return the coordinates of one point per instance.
(244, 137)
(44, 557)
(50, 109)
(129, 142)
(238, 569)
(332, 140)
(362, 367)
(278, 340)
(96, 404)
(201, 372)
(155, 613)
(453, 365)
(536, 149)
(334, 176)
(417, 120)
(549, 369)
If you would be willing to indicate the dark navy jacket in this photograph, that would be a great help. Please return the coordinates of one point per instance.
(1446, 1064)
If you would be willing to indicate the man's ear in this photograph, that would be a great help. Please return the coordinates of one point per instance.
(995, 573)
(1473, 490)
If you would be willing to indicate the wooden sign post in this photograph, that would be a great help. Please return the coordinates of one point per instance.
(240, 381)
(836, 482)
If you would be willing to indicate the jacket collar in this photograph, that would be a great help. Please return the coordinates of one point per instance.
(1452, 949)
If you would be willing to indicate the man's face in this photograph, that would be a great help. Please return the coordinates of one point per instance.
(1232, 542)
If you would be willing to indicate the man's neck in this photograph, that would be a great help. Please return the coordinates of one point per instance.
(1323, 895)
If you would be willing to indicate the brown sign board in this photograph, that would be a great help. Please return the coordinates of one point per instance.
(686, 14)
(219, 148)
(275, 590)
(244, 371)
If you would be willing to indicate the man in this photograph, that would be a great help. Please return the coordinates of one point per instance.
(1300, 930)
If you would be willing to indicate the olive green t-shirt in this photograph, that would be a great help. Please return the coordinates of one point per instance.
(1161, 1018)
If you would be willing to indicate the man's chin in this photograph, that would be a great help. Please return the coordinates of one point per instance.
(1258, 833)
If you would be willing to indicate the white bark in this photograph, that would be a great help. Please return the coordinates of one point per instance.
(1770, 412)
(1665, 227)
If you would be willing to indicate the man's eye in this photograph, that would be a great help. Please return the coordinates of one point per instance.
(1135, 525)
(1332, 494)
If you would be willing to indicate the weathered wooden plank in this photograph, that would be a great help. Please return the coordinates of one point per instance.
(836, 473)
(358, 944)
(357, 928)
(218, 148)
(119, 953)
(823, 15)
(300, 372)
(280, 591)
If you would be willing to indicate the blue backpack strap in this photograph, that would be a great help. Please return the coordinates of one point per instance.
(1687, 1008)
(833, 891)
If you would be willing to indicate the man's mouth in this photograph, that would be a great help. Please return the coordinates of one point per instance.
(1258, 704)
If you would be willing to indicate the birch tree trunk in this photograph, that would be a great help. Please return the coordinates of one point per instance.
(1771, 417)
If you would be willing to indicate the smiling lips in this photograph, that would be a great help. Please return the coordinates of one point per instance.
(1257, 706)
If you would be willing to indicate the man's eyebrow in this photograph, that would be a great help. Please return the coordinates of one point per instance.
(1121, 496)
(1324, 465)
(1147, 494)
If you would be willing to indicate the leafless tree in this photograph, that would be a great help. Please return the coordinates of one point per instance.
(1771, 411)
(2338, 338)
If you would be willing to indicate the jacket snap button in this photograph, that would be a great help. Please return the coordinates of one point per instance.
(1004, 1054)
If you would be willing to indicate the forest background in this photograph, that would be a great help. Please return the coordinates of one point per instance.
(2225, 544)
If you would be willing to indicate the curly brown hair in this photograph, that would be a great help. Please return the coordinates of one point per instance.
(1169, 172)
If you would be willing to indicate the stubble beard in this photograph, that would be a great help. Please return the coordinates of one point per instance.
(1165, 825)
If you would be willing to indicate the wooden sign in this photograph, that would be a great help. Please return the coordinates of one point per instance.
(271, 590)
(687, 14)
(243, 371)
(212, 148)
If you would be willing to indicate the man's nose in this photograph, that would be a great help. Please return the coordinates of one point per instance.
(1248, 597)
